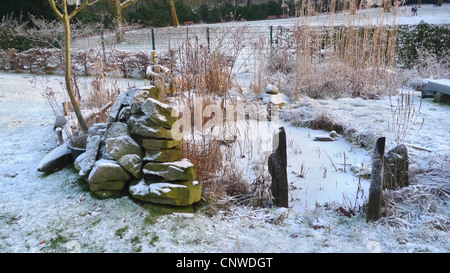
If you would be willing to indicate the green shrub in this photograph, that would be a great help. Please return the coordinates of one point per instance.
(10, 37)
(423, 37)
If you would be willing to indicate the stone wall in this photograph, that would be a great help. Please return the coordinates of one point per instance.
(135, 150)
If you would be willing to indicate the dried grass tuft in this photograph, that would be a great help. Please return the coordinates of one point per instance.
(355, 58)
(324, 122)
(425, 206)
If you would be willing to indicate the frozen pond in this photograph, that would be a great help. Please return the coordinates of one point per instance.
(316, 170)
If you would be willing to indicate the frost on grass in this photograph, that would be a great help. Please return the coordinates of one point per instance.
(418, 207)
(57, 213)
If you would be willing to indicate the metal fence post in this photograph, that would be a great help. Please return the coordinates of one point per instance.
(103, 45)
(207, 37)
(271, 38)
(153, 39)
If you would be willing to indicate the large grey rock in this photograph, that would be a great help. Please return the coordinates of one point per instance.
(123, 145)
(98, 129)
(127, 153)
(163, 155)
(121, 100)
(156, 144)
(88, 162)
(132, 163)
(107, 170)
(141, 95)
(76, 163)
(170, 171)
(159, 113)
(441, 98)
(103, 152)
(117, 129)
(107, 185)
(57, 159)
(124, 114)
(130, 93)
(184, 193)
(396, 168)
(143, 126)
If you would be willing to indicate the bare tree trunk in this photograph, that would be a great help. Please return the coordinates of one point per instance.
(68, 77)
(65, 17)
(173, 13)
(120, 31)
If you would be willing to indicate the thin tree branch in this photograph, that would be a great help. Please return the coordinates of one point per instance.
(55, 9)
(86, 3)
(127, 3)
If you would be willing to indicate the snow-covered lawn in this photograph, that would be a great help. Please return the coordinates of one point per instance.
(141, 39)
(57, 213)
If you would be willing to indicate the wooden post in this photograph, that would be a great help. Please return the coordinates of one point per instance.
(155, 62)
(376, 181)
(277, 168)
(173, 86)
(173, 13)
(60, 137)
(66, 112)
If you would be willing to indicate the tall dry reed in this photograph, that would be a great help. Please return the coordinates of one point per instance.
(205, 75)
(350, 53)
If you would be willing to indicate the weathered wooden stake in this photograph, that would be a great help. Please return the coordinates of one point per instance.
(277, 168)
(60, 137)
(66, 112)
(376, 180)
(155, 62)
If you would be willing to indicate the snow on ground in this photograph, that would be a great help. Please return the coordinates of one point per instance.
(141, 39)
(366, 120)
(56, 212)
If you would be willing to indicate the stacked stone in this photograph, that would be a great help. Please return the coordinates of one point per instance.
(135, 148)
(167, 178)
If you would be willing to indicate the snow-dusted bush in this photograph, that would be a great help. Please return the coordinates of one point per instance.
(45, 60)
(413, 40)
